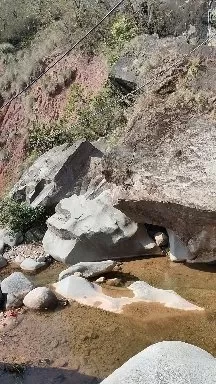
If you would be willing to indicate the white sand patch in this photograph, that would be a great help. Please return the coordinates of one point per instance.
(145, 292)
(84, 292)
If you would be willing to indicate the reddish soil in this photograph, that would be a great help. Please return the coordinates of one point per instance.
(38, 104)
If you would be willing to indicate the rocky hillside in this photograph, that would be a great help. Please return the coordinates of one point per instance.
(33, 36)
(107, 181)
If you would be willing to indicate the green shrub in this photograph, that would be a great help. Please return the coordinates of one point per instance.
(100, 116)
(83, 119)
(43, 137)
(20, 216)
(122, 30)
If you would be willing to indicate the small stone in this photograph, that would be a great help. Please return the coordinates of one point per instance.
(100, 280)
(161, 239)
(78, 274)
(117, 268)
(19, 259)
(60, 363)
(31, 265)
(114, 282)
(3, 262)
(41, 259)
(54, 344)
(40, 298)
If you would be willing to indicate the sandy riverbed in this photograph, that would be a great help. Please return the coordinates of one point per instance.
(96, 342)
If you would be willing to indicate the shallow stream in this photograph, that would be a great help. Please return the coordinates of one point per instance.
(96, 342)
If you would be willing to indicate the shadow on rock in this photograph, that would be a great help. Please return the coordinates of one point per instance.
(209, 267)
(22, 374)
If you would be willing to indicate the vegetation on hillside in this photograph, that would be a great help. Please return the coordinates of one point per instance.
(90, 118)
(20, 216)
(32, 35)
(31, 32)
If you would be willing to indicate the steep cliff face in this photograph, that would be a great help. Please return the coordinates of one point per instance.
(166, 163)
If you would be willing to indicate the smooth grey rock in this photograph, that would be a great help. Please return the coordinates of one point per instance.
(16, 286)
(40, 298)
(34, 235)
(55, 174)
(2, 245)
(19, 259)
(41, 259)
(92, 230)
(89, 269)
(161, 239)
(3, 262)
(32, 265)
(10, 238)
(167, 362)
(178, 250)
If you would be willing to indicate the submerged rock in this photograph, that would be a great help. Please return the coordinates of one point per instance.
(167, 362)
(93, 230)
(16, 286)
(40, 298)
(31, 265)
(88, 269)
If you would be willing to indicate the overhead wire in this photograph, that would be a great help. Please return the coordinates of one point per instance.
(62, 56)
(133, 92)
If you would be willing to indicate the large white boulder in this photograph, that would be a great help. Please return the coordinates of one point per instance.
(168, 362)
(88, 269)
(93, 230)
